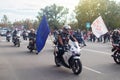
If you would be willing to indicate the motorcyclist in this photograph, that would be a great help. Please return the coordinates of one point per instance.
(56, 33)
(14, 34)
(115, 40)
(63, 39)
(8, 35)
(78, 36)
(24, 34)
(32, 38)
(115, 37)
(8, 32)
(32, 34)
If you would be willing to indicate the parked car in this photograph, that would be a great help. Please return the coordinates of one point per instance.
(3, 32)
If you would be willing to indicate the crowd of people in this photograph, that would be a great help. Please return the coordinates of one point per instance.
(62, 36)
(82, 36)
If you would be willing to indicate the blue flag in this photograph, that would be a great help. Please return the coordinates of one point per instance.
(42, 34)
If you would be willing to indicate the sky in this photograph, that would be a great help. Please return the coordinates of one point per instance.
(28, 9)
(22, 9)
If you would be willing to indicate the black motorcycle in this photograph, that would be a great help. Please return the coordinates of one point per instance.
(32, 45)
(8, 36)
(16, 41)
(116, 55)
(24, 36)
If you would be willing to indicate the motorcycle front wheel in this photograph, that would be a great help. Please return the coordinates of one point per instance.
(117, 57)
(77, 67)
(56, 60)
(8, 40)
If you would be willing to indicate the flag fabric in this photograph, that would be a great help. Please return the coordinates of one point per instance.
(42, 34)
(98, 27)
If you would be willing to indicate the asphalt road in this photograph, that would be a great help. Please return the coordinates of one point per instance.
(16, 63)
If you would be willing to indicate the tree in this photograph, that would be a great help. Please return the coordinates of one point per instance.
(5, 21)
(56, 15)
(35, 24)
(28, 24)
(73, 21)
(112, 15)
(17, 24)
(89, 10)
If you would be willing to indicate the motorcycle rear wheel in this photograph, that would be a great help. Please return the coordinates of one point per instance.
(18, 44)
(117, 57)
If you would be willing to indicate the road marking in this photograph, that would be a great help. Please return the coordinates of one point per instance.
(97, 51)
(98, 72)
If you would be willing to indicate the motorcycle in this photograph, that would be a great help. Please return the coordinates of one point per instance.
(116, 55)
(25, 36)
(8, 36)
(16, 40)
(71, 58)
(32, 45)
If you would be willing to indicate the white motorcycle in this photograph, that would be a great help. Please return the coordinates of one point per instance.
(71, 58)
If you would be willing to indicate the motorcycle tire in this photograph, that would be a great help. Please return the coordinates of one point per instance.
(15, 44)
(8, 40)
(77, 67)
(18, 44)
(56, 60)
(117, 57)
(31, 50)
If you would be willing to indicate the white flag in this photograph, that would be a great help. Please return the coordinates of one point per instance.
(98, 27)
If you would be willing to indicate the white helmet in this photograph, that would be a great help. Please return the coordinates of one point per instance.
(32, 29)
(66, 27)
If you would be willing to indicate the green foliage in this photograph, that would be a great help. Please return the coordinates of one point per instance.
(89, 10)
(4, 19)
(5, 22)
(113, 13)
(56, 15)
